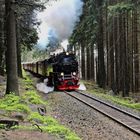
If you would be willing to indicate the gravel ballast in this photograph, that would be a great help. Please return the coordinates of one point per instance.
(86, 122)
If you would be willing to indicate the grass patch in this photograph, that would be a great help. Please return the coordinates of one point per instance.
(33, 97)
(42, 119)
(127, 102)
(52, 126)
(102, 93)
(2, 126)
(62, 131)
(27, 78)
(28, 83)
(12, 102)
(56, 129)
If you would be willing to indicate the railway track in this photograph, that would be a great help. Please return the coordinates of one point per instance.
(122, 117)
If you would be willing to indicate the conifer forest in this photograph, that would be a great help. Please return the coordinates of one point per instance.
(106, 37)
(69, 69)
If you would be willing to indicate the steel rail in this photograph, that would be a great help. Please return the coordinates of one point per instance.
(107, 104)
(106, 114)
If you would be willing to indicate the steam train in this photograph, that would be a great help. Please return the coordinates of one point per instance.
(61, 71)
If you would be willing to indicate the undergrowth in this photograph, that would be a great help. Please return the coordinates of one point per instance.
(127, 102)
(99, 92)
(12, 103)
(52, 126)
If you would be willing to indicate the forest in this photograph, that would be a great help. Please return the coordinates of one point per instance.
(107, 38)
(109, 34)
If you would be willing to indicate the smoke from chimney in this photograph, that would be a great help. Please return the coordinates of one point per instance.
(58, 21)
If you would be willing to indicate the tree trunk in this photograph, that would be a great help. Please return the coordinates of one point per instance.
(131, 52)
(106, 41)
(101, 76)
(11, 53)
(2, 48)
(19, 52)
(92, 64)
(83, 61)
(117, 38)
(88, 63)
(111, 57)
(125, 85)
(136, 51)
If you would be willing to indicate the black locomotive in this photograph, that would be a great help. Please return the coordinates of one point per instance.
(61, 70)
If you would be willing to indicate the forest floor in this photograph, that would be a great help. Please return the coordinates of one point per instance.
(34, 123)
(132, 102)
(19, 134)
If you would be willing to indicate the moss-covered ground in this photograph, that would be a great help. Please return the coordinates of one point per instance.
(22, 104)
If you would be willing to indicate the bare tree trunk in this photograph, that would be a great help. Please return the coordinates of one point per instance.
(2, 47)
(83, 61)
(106, 42)
(101, 75)
(11, 54)
(132, 48)
(136, 51)
(124, 82)
(19, 52)
(92, 64)
(116, 38)
(111, 57)
(88, 63)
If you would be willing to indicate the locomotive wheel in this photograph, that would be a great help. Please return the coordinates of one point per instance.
(55, 84)
(50, 80)
(55, 88)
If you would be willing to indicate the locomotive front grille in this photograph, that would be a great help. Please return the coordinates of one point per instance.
(67, 76)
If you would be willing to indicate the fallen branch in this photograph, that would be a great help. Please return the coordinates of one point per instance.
(38, 127)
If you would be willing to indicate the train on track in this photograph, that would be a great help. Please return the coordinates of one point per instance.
(61, 71)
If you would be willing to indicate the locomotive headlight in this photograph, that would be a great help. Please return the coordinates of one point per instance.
(62, 74)
(67, 53)
(74, 73)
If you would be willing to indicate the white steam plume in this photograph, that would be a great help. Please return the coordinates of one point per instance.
(59, 20)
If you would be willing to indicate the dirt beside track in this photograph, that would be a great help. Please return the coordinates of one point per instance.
(24, 135)
(87, 123)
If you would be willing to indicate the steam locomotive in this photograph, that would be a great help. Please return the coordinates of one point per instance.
(61, 71)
